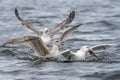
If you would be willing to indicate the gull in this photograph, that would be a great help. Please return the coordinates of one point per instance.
(56, 44)
(81, 54)
(46, 34)
(39, 47)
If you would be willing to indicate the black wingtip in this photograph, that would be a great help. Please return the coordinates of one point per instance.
(17, 15)
(78, 25)
(15, 9)
(72, 14)
(16, 12)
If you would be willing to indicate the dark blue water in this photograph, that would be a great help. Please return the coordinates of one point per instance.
(48, 13)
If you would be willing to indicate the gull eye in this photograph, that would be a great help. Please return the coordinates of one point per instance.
(57, 41)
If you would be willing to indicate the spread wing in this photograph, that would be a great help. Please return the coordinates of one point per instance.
(62, 25)
(28, 25)
(69, 31)
(101, 47)
(34, 42)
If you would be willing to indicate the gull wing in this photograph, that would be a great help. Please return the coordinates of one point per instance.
(62, 25)
(101, 47)
(69, 31)
(68, 55)
(34, 42)
(28, 25)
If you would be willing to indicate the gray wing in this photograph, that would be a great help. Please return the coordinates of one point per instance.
(102, 47)
(28, 25)
(19, 40)
(34, 42)
(66, 54)
(69, 31)
(62, 25)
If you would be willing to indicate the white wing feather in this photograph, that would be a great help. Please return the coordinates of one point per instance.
(102, 47)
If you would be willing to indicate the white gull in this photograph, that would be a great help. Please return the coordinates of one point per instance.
(81, 54)
(46, 34)
(40, 49)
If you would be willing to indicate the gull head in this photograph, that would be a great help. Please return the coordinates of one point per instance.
(88, 49)
(84, 48)
(45, 30)
(57, 42)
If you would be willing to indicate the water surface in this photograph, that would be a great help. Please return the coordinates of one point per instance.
(48, 13)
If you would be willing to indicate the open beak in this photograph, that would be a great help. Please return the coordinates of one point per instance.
(91, 52)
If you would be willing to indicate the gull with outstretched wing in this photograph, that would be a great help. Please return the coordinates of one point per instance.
(36, 43)
(46, 34)
(56, 43)
(81, 54)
